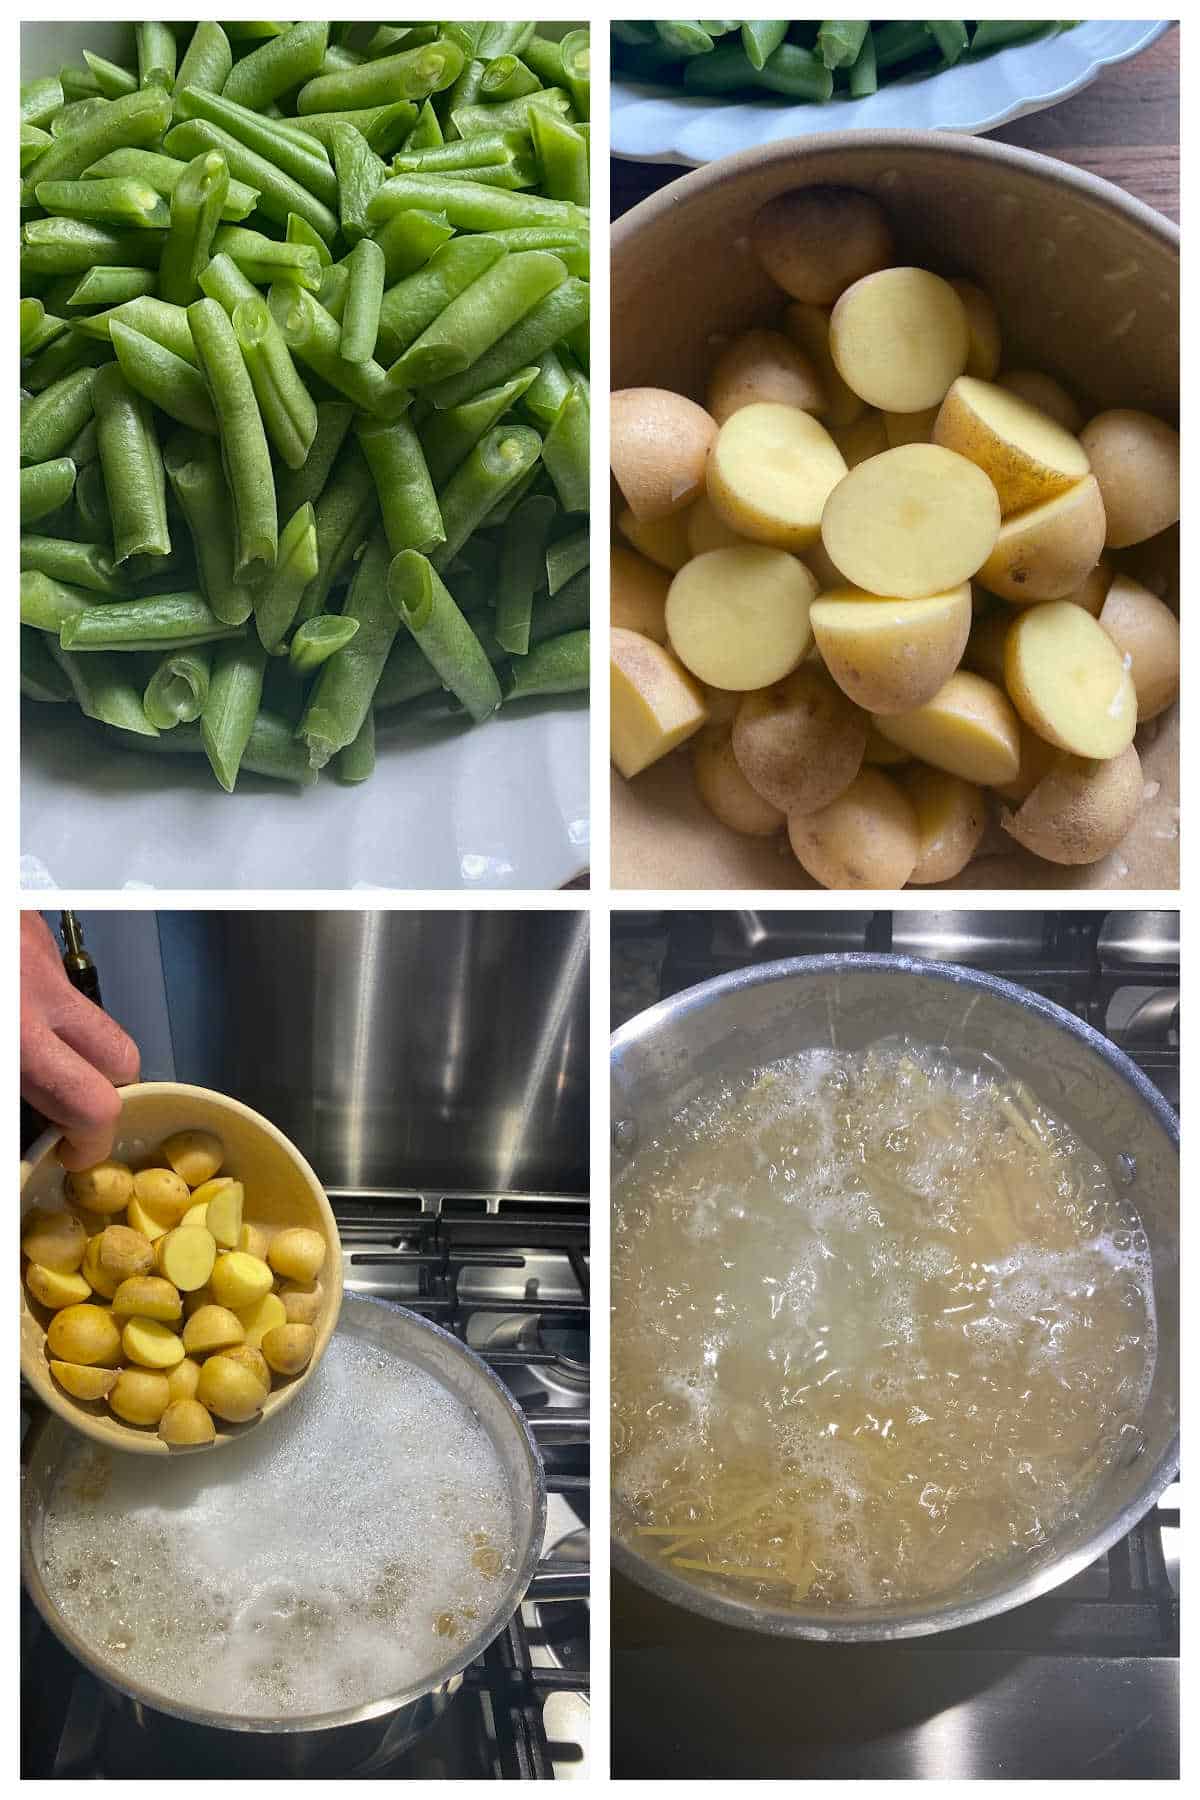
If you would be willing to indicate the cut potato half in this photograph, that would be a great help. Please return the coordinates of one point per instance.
(1135, 458)
(738, 618)
(800, 742)
(1047, 394)
(815, 241)
(808, 326)
(663, 541)
(1068, 681)
(867, 838)
(969, 729)
(1025, 453)
(951, 815)
(637, 593)
(658, 446)
(655, 702)
(725, 791)
(1080, 810)
(1048, 551)
(891, 655)
(1147, 634)
(763, 366)
(899, 338)
(770, 473)
(911, 523)
(707, 530)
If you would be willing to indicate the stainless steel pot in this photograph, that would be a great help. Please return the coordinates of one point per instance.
(380, 1728)
(753, 1016)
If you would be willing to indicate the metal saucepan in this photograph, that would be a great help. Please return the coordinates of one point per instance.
(753, 1016)
(307, 1744)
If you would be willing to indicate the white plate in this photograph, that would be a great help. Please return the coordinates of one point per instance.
(503, 805)
(658, 124)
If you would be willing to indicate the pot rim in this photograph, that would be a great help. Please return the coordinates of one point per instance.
(868, 1628)
(447, 1676)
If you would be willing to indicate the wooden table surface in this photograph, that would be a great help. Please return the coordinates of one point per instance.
(1124, 127)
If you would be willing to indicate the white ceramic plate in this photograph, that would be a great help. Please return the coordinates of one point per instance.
(657, 124)
(504, 805)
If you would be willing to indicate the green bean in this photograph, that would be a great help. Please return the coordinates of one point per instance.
(497, 462)
(408, 505)
(112, 80)
(479, 317)
(950, 36)
(789, 70)
(243, 437)
(469, 205)
(384, 127)
(448, 438)
(315, 337)
(34, 143)
(412, 305)
(288, 410)
(864, 78)
(301, 233)
(314, 642)
(224, 282)
(304, 161)
(570, 245)
(294, 486)
(38, 327)
(426, 134)
(68, 354)
(562, 665)
(346, 512)
(156, 54)
(178, 688)
(553, 320)
(160, 376)
(76, 113)
(82, 565)
(409, 240)
(490, 147)
(163, 174)
(334, 288)
(566, 557)
(85, 445)
(838, 41)
(410, 75)
(47, 605)
(510, 115)
(685, 37)
(231, 706)
(279, 65)
(344, 689)
(278, 599)
(91, 506)
(898, 41)
(271, 748)
(263, 259)
(522, 553)
(50, 421)
(158, 622)
(504, 37)
(562, 155)
(278, 193)
(463, 94)
(132, 466)
(356, 761)
(196, 207)
(194, 469)
(533, 480)
(70, 246)
(207, 61)
(507, 78)
(364, 298)
(105, 689)
(107, 287)
(41, 99)
(137, 119)
(565, 450)
(994, 34)
(544, 57)
(157, 319)
(45, 486)
(548, 391)
(360, 175)
(118, 200)
(41, 677)
(422, 600)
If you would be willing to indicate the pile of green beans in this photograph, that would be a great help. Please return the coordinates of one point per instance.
(304, 371)
(806, 59)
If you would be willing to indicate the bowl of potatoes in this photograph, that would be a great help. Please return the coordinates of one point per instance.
(896, 504)
(175, 1295)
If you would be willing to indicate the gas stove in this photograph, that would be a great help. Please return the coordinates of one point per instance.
(1081, 1682)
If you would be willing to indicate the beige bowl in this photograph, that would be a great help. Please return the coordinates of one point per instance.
(1086, 280)
(281, 1190)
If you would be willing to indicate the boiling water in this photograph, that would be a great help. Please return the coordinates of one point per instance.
(877, 1323)
(331, 1557)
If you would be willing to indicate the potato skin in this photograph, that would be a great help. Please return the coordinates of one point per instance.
(196, 1155)
(230, 1390)
(1135, 459)
(866, 838)
(891, 655)
(800, 742)
(951, 816)
(725, 790)
(1147, 632)
(762, 365)
(185, 1422)
(139, 1396)
(53, 1240)
(815, 241)
(1047, 552)
(289, 1348)
(301, 1301)
(1080, 810)
(1026, 454)
(659, 446)
(297, 1254)
(106, 1187)
(84, 1334)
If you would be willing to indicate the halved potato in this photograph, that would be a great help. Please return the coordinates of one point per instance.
(951, 815)
(659, 445)
(738, 618)
(815, 241)
(1135, 458)
(148, 1297)
(163, 1193)
(254, 1239)
(1044, 392)
(725, 790)
(151, 1343)
(107, 1187)
(1025, 453)
(662, 541)
(81, 1382)
(762, 366)
(1047, 552)
(707, 530)
(800, 742)
(968, 728)
(260, 1317)
(212, 1328)
(196, 1155)
(183, 1378)
(771, 471)
(140, 1396)
(983, 330)
(84, 1334)
(298, 1254)
(867, 436)
(910, 523)
(1080, 810)
(891, 655)
(655, 703)
(808, 326)
(96, 1275)
(899, 337)
(185, 1422)
(53, 1240)
(867, 838)
(1147, 634)
(185, 1256)
(56, 1288)
(223, 1216)
(229, 1389)
(1037, 759)
(301, 1301)
(239, 1280)
(152, 1225)
(289, 1348)
(124, 1251)
(637, 593)
(196, 1215)
(908, 428)
(1067, 680)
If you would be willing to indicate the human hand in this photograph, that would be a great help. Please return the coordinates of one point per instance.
(73, 1056)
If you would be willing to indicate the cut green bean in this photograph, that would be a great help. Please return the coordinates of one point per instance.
(478, 317)
(522, 568)
(278, 599)
(279, 65)
(76, 113)
(194, 469)
(45, 487)
(105, 689)
(356, 761)
(864, 78)
(562, 665)
(364, 298)
(950, 36)
(503, 37)
(314, 642)
(566, 557)
(409, 240)
(154, 318)
(178, 688)
(410, 75)
(839, 41)
(174, 386)
(499, 460)
(565, 450)
(300, 232)
(132, 466)
(307, 482)
(34, 143)
(244, 445)
(231, 706)
(463, 155)
(87, 566)
(70, 246)
(360, 175)
(278, 193)
(163, 174)
(112, 80)
(408, 504)
(138, 119)
(57, 415)
(158, 622)
(41, 677)
(117, 200)
(345, 687)
(301, 157)
(563, 311)
(271, 748)
(510, 115)
(41, 99)
(426, 134)
(314, 336)
(47, 605)
(196, 207)
(385, 128)
(288, 410)
(38, 327)
(448, 438)
(422, 600)
(507, 78)
(412, 305)
(469, 205)
(156, 54)
(346, 513)
(563, 158)
(263, 259)
(207, 61)
(107, 287)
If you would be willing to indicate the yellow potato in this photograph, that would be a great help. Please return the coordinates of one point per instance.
(911, 523)
(261, 1316)
(1147, 633)
(813, 242)
(230, 1390)
(212, 1328)
(239, 1280)
(224, 1215)
(301, 1301)
(866, 838)
(800, 742)
(738, 618)
(1092, 590)
(808, 326)
(638, 594)
(891, 655)
(662, 541)
(186, 1422)
(152, 1225)
(899, 338)
(968, 728)
(867, 436)
(762, 366)
(56, 1288)
(655, 703)
(195, 1155)
(1037, 759)
(139, 1396)
(253, 1239)
(1080, 810)
(289, 1348)
(1048, 395)
(771, 471)
(908, 428)
(196, 1215)
(951, 815)
(106, 1187)
(163, 1193)
(725, 790)
(1047, 552)
(298, 1254)
(707, 530)
(55, 1240)
(84, 1334)
(983, 330)
(248, 1356)
(148, 1297)
(83, 1383)
(1025, 453)
(97, 1277)
(123, 1251)
(658, 447)
(183, 1378)
(151, 1343)
(1066, 678)
(1135, 458)
(186, 1255)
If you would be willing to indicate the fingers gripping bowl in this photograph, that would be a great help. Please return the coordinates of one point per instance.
(282, 1195)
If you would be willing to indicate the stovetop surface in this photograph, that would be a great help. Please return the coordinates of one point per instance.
(1084, 1681)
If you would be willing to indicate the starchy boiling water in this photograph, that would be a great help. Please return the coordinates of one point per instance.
(877, 1321)
(331, 1557)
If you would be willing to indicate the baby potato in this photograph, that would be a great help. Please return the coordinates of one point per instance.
(212, 1328)
(913, 522)
(867, 436)
(813, 242)
(1079, 810)
(808, 327)
(655, 704)
(1135, 458)
(53, 1240)
(800, 742)
(1146, 633)
(1025, 453)
(297, 1254)
(659, 444)
(196, 1215)
(186, 1256)
(951, 815)
(56, 1288)
(661, 541)
(899, 338)
(107, 1187)
(195, 1155)
(866, 838)
(301, 1301)
(84, 1334)
(1048, 551)
(224, 1213)
(253, 1359)
(908, 428)
(1091, 592)
(289, 1348)
(725, 790)
(1042, 391)
(183, 1378)
(1037, 759)
(148, 1297)
(261, 1316)
(239, 1280)
(762, 366)
(254, 1240)
(163, 1193)
(152, 1225)
(1067, 680)
(82, 1383)
(738, 619)
(707, 530)
(230, 1389)
(96, 1276)
(151, 1343)
(123, 1251)
(139, 1396)
(186, 1422)
(771, 470)
(968, 729)
(983, 330)
(638, 593)
(891, 655)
